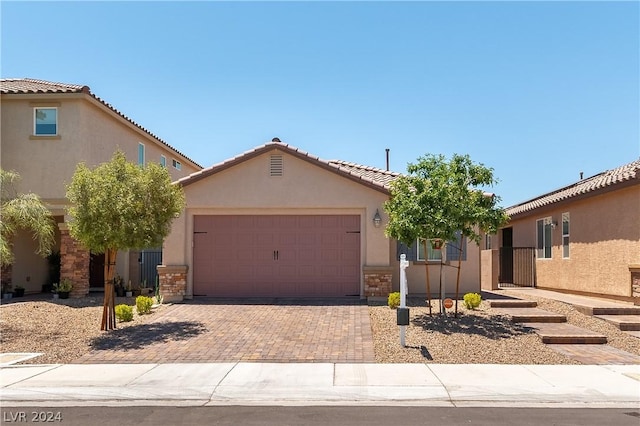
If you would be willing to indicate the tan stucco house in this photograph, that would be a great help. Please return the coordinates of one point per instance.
(278, 221)
(47, 129)
(583, 238)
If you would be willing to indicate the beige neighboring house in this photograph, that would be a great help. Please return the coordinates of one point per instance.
(279, 222)
(583, 238)
(47, 129)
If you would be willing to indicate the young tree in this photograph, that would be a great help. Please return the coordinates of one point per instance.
(121, 206)
(22, 211)
(438, 198)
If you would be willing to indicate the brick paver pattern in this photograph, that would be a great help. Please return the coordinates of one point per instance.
(277, 330)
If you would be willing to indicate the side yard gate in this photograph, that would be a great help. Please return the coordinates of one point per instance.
(149, 260)
(517, 267)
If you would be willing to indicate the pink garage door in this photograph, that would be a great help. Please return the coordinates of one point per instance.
(276, 256)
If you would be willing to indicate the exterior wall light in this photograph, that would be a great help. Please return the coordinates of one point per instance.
(377, 220)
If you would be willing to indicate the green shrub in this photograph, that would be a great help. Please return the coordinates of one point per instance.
(143, 304)
(124, 313)
(472, 300)
(394, 300)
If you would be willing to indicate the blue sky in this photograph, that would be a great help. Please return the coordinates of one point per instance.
(539, 91)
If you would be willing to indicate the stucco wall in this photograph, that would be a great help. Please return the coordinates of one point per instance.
(45, 164)
(304, 188)
(87, 132)
(417, 274)
(604, 241)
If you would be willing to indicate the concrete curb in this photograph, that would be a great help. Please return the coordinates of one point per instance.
(304, 384)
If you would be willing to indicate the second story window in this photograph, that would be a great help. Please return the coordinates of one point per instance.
(141, 154)
(163, 161)
(177, 165)
(45, 121)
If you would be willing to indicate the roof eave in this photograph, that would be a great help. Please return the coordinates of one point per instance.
(579, 197)
(275, 146)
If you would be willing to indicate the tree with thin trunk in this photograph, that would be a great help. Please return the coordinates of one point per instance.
(26, 212)
(437, 199)
(121, 206)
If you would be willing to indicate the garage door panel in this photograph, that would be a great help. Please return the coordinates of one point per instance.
(289, 255)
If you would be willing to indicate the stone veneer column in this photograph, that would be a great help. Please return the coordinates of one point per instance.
(173, 282)
(377, 281)
(635, 283)
(74, 263)
(5, 275)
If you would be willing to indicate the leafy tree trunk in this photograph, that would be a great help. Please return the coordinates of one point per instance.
(440, 293)
(108, 307)
(458, 279)
(426, 266)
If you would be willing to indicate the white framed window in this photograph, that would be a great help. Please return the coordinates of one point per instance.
(163, 161)
(176, 164)
(565, 235)
(455, 250)
(432, 254)
(141, 154)
(543, 238)
(45, 121)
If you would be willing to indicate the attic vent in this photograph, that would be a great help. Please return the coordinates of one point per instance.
(276, 167)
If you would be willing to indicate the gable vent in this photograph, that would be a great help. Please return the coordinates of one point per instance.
(276, 167)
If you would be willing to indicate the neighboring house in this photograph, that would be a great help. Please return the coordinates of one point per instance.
(277, 221)
(47, 129)
(583, 238)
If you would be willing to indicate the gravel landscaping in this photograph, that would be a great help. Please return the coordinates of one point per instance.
(63, 330)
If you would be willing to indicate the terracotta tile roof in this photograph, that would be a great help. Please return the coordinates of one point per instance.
(369, 176)
(12, 86)
(29, 85)
(602, 181)
(372, 174)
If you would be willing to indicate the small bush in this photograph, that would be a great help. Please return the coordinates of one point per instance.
(394, 300)
(472, 300)
(143, 304)
(124, 313)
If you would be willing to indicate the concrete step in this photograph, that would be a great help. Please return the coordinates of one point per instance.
(512, 303)
(532, 315)
(597, 354)
(623, 322)
(590, 310)
(566, 334)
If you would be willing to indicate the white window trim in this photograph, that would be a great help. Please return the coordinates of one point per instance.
(546, 221)
(35, 110)
(421, 259)
(176, 164)
(144, 154)
(567, 235)
(163, 161)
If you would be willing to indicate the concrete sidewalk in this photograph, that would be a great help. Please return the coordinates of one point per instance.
(208, 384)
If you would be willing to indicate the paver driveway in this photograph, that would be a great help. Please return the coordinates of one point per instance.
(213, 330)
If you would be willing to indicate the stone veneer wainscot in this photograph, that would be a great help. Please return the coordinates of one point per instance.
(377, 281)
(173, 282)
(74, 263)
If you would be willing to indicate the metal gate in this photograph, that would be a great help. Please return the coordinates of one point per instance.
(517, 267)
(149, 260)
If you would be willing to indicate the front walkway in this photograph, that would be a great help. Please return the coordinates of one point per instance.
(585, 346)
(276, 330)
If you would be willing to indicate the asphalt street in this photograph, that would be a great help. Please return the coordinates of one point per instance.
(343, 416)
